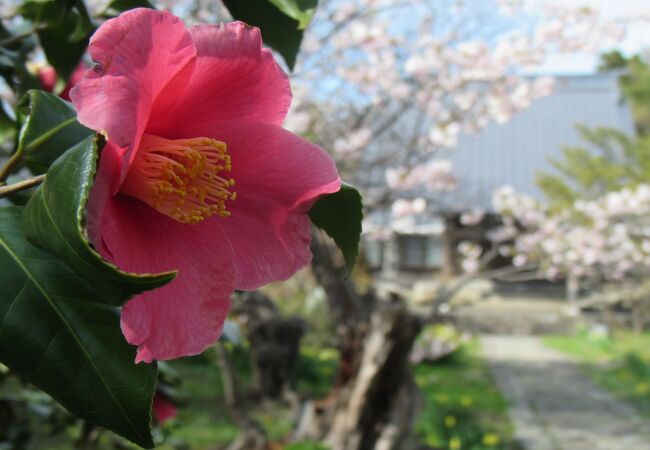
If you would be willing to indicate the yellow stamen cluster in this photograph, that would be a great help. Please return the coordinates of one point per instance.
(181, 178)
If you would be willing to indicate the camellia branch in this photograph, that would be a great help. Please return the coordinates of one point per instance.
(19, 37)
(18, 155)
(13, 161)
(21, 185)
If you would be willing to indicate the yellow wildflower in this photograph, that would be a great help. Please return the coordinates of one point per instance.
(450, 421)
(491, 439)
(466, 401)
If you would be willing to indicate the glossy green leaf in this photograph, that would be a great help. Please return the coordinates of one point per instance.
(300, 10)
(54, 220)
(57, 333)
(14, 53)
(64, 29)
(282, 22)
(49, 129)
(340, 215)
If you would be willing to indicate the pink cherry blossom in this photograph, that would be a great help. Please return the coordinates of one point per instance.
(472, 218)
(404, 208)
(601, 239)
(197, 174)
(436, 175)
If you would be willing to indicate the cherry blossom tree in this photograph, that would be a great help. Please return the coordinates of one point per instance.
(604, 239)
(591, 244)
(387, 84)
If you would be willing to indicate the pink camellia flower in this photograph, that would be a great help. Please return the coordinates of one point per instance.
(197, 174)
(48, 77)
(162, 409)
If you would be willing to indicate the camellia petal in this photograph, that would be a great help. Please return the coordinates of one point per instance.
(278, 177)
(241, 79)
(137, 55)
(96, 99)
(186, 315)
(110, 165)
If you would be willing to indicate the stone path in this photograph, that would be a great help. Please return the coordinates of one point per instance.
(554, 406)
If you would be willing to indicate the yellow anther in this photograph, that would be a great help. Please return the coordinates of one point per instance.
(181, 178)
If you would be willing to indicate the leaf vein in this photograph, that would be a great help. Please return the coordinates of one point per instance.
(68, 325)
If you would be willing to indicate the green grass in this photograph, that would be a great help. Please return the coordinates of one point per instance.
(463, 409)
(203, 422)
(620, 364)
(316, 370)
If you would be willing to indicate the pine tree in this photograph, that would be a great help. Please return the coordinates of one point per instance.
(611, 160)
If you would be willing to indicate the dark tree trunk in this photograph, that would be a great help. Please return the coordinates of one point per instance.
(252, 436)
(274, 345)
(373, 404)
(450, 267)
(14, 428)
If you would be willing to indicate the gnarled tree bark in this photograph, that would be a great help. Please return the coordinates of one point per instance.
(274, 345)
(374, 401)
(252, 436)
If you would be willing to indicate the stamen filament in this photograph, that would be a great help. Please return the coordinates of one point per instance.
(182, 178)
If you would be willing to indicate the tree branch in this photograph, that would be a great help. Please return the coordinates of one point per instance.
(18, 37)
(9, 166)
(21, 185)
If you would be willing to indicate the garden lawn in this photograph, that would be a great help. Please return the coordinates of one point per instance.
(620, 364)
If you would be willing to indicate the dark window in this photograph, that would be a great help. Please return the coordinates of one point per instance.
(373, 251)
(420, 252)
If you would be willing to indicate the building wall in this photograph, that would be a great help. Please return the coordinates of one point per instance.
(512, 153)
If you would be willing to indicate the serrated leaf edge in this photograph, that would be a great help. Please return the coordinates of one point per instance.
(79, 218)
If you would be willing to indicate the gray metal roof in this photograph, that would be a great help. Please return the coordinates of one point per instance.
(512, 153)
